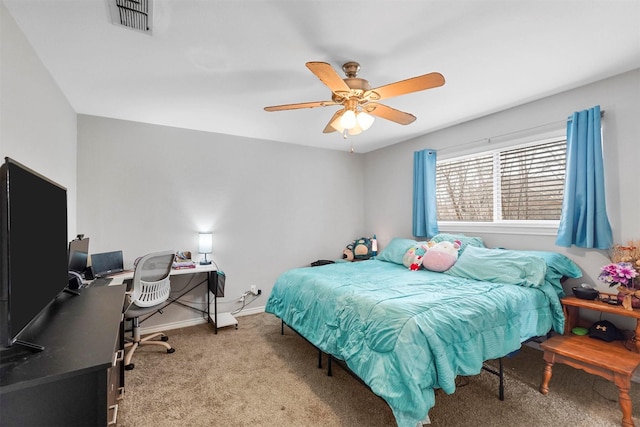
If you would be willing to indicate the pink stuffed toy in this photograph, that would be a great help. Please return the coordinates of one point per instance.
(441, 256)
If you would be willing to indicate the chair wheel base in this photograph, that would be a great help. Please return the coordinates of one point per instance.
(171, 350)
(129, 367)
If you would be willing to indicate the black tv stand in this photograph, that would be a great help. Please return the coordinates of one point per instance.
(71, 291)
(77, 379)
(29, 345)
(12, 355)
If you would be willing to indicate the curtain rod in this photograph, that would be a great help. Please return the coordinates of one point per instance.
(601, 115)
(510, 133)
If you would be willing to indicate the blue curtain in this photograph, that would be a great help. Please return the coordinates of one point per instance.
(584, 222)
(425, 220)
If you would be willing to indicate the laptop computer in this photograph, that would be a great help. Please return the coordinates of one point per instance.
(107, 263)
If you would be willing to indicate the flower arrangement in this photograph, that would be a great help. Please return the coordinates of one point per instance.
(624, 269)
(618, 274)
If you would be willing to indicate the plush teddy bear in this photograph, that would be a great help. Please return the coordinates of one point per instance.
(441, 256)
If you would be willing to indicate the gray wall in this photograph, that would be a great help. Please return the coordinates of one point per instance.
(37, 124)
(389, 171)
(271, 206)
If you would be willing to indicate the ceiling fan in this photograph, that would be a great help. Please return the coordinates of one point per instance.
(359, 100)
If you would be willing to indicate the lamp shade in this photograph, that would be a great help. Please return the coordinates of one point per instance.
(348, 119)
(205, 243)
(355, 130)
(364, 120)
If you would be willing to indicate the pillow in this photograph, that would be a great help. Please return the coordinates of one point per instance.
(395, 250)
(500, 266)
(558, 265)
(464, 240)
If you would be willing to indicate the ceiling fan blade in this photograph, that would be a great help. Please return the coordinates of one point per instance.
(330, 77)
(414, 84)
(333, 124)
(385, 112)
(300, 105)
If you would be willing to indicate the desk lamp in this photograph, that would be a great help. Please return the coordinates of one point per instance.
(205, 246)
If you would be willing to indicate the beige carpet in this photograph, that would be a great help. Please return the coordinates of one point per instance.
(254, 376)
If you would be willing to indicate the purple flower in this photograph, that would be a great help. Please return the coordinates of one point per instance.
(620, 273)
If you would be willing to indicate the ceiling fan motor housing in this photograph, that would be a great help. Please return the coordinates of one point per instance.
(351, 68)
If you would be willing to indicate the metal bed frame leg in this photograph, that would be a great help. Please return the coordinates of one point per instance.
(329, 372)
(500, 374)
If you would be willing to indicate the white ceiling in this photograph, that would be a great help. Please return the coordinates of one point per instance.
(214, 65)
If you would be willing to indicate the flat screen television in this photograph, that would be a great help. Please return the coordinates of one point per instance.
(33, 247)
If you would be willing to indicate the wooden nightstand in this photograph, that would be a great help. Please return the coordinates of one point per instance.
(571, 306)
(610, 360)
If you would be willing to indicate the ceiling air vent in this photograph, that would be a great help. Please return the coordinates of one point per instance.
(133, 14)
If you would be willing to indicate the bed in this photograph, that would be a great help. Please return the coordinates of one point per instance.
(407, 333)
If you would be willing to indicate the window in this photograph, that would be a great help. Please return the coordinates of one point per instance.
(515, 184)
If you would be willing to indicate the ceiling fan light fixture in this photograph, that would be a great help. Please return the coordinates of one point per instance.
(348, 119)
(364, 120)
(355, 130)
(359, 100)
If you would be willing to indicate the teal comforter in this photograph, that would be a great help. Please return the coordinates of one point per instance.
(406, 333)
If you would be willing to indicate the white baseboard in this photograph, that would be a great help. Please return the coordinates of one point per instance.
(194, 321)
(250, 311)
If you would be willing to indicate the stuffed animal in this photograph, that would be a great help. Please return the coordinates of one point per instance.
(360, 249)
(347, 253)
(441, 256)
(413, 258)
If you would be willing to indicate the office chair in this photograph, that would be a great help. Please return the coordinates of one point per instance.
(149, 290)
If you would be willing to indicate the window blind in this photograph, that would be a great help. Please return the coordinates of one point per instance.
(524, 183)
(464, 189)
(532, 181)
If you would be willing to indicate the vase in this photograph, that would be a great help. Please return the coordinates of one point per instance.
(635, 301)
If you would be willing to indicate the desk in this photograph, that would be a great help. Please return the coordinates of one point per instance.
(78, 378)
(219, 320)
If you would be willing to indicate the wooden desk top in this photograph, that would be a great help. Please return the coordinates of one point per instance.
(118, 279)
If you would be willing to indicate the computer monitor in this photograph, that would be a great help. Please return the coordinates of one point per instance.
(78, 254)
(107, 263)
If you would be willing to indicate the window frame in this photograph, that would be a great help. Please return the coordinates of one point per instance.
(521, 227)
